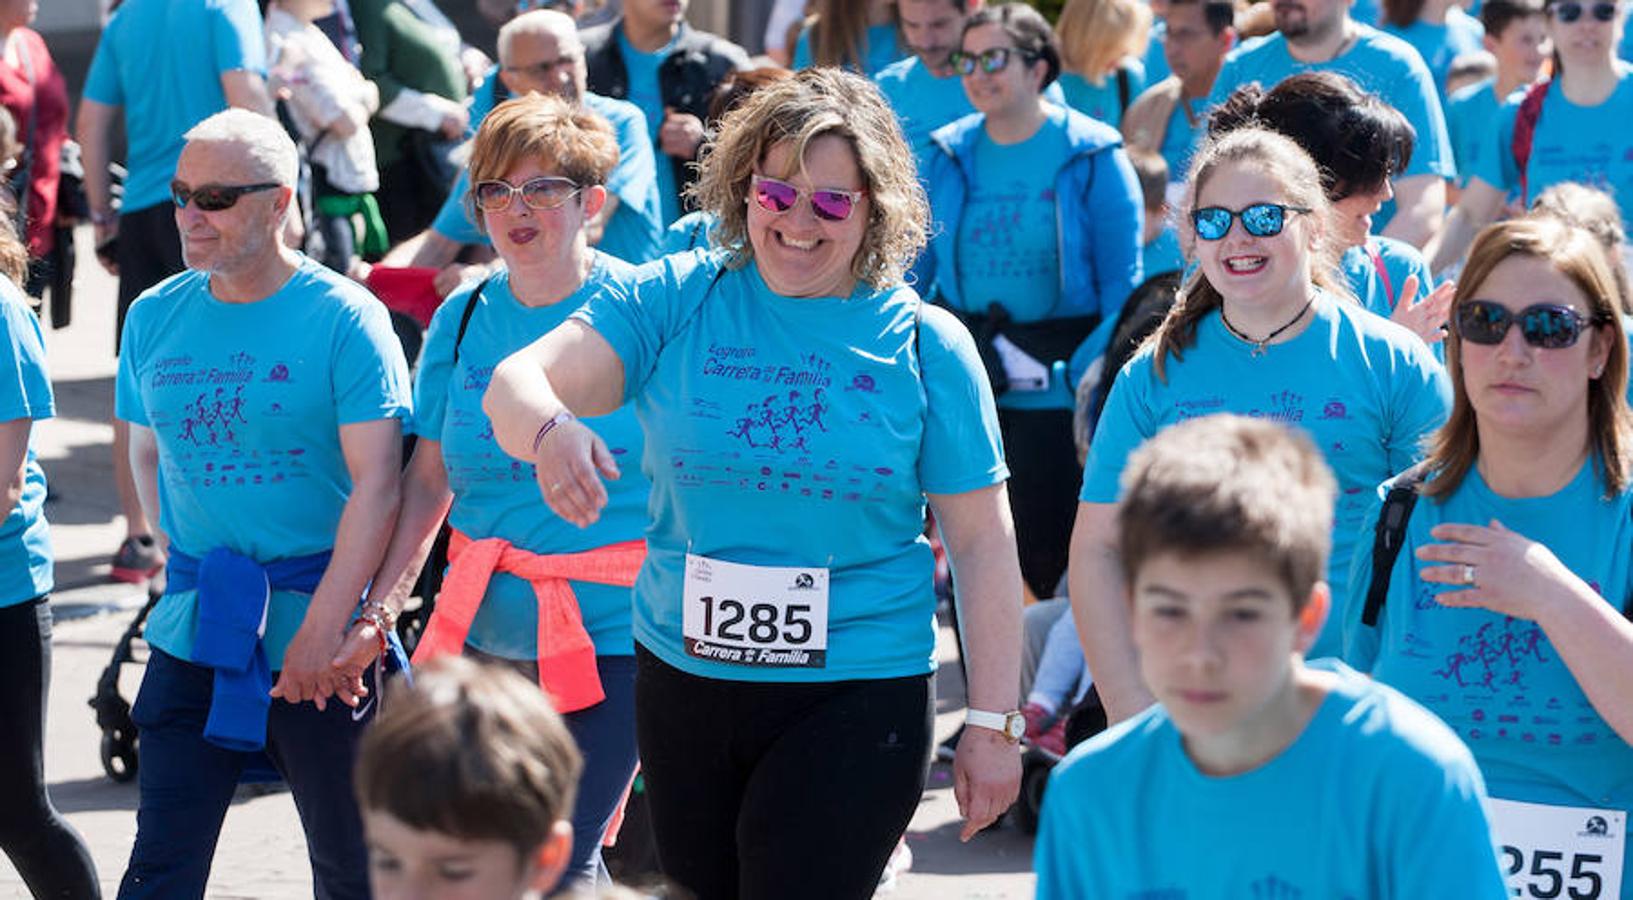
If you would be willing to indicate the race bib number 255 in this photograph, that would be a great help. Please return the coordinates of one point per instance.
(766, 616)
(1568, 852)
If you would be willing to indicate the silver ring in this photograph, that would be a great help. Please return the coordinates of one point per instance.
(1468, 574)
(555, 487)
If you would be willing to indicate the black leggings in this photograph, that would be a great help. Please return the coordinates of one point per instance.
(45, 849)
(784, 791)
(1043, 480)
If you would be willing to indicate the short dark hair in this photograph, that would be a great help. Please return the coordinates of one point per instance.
(1497, 15)
(471, 751)
(1219, 14)
(1356, 139)
(1230, 484)
(1027, 28)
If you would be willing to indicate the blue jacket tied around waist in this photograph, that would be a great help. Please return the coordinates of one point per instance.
(233, 593)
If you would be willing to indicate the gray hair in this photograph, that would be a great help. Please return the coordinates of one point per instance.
(538, 21)
(271, 154)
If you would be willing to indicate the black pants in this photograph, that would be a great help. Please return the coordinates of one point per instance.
(1044, 478)
(149, 251)
(409, 201)
(44, 848)
(783, 791)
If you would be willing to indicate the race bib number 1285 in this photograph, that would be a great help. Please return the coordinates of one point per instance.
(767, 616)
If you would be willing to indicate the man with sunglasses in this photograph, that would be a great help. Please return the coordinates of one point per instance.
(540, 52)
(1167, 116)
(264, 395)
(652, 58)
(159, 87)
(1320, 35)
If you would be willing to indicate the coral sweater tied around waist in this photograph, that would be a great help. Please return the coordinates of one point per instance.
(567, 671)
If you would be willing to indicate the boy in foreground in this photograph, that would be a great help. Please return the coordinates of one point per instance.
(465, 781)
(1255, 774)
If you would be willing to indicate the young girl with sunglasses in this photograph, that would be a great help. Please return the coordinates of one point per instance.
(1264, 327)
(801, 407)
(1576, 121)
(1038, 218)
(1506, 608)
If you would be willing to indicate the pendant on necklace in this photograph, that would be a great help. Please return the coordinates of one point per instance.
(1258, 348)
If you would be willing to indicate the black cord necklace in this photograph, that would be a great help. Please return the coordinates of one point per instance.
(1258, 345)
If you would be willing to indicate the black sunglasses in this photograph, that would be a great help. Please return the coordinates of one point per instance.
(1569, 11)
(1260, 220)
(215, 197)
(1549, 326)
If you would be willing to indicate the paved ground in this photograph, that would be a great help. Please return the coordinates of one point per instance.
(262, 854)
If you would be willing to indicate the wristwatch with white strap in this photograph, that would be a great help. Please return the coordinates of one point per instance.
(1009, 724)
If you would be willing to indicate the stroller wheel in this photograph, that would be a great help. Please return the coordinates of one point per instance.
(119, 755)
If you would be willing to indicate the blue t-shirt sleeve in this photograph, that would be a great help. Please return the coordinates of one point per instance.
(1415, 96)
(638, 318)
(453, 220)
(1422, 401)
(1119, 220)
(236, 38)
(370, 374)
(1123, 425)
(1444, 797)
(1494, 164)
(127, 392)
(25, 384)
(962, 450)
(436, 365)
(102, 82)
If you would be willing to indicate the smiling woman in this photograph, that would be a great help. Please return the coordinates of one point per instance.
(801, 405)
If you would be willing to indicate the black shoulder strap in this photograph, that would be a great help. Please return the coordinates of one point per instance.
(1123, 89)
(1387, 537)
(465, 317)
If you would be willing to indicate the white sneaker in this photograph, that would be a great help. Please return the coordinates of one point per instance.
(901, 860)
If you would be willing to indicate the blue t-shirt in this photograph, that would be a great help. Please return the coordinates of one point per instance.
(1163, 254)
(632, 233)
(1156, 59)
(647, 95)
(1364, 389)
(1378, 62)
(1571, 143)
(25, 393)
(1374, 799)
(798, 432)
(168, 85)
(1498, 681)
(1182, 137)
(922, 102)
(1470, 113)
(1438, 45)
(880, 48)
(1103, 101)
(246, 401)
(494, 494)
(689, 232)
(1008, 236)
(1378, 291)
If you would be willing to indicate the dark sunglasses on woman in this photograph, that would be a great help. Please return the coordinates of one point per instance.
(1569, 11)
(214, 197)
(777, 197)
(1261, 220)
(1549, 326)
(990, 61)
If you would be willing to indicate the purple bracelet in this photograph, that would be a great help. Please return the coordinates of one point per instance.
(549, 426)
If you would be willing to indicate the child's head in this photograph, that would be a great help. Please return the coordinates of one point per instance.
(1224, 530)
(1152, 170)
(465, 782)
(1517, 35)
(1597, 213)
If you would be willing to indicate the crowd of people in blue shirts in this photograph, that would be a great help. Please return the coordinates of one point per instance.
(671, 392)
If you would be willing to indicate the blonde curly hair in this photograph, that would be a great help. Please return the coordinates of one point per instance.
(817, 103)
